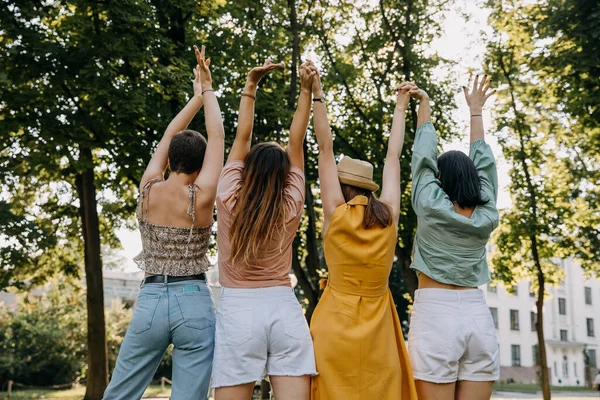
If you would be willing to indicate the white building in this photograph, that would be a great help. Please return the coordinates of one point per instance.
(571, 328)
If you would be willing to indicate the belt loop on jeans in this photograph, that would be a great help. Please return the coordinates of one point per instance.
(165, 279)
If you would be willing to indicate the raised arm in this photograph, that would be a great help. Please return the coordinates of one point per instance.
(243, 137)
(331, 190)
(158, 163)
(427, 195)
(476, 99)
(213, 160)
(301, 116)
(390, 188)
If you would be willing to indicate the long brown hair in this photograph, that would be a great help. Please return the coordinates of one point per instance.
(260, 214)
(377, 212)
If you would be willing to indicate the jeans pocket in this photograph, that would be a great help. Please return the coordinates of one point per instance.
(143, 313)
(294, 321)
(197, 309)
(236, 325)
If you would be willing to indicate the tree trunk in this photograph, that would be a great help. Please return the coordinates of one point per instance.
(533, 237)
(310, 291)
(544, 376)
(97, 373)
(265, 390)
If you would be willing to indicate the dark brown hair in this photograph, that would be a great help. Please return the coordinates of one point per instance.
(186, 152)
(377, 212)
(260, 214)
(459, 179)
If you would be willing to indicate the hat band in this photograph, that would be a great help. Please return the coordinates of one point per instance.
(358, 176)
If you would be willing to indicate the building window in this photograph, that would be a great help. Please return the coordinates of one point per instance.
(588, 295)
(535, 354)
(494, 312)
(533, 321)
(592, 358)
(555, 370)
(492, 288)
(516, 355)
(565, 366)
(562, 306)
(590, 326)
(515, 290)
(563, 335)
(531, 291)
(574, 369)
(514, 320)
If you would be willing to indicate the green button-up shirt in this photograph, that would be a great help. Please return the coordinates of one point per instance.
(449, 247)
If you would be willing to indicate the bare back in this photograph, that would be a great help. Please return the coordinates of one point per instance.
(168, 205)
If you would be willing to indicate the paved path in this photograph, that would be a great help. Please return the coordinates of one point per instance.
(509, 396)
(562, 395)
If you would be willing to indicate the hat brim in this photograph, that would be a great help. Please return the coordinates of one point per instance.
(353, 180)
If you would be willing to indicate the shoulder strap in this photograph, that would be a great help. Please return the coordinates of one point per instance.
(145, 198)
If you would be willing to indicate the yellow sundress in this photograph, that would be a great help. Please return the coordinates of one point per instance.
(359, 347)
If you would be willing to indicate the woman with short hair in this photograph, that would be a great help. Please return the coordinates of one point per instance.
(175, 217)
(452, 339)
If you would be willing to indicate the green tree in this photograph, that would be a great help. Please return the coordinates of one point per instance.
(80, 112)
(551, 216)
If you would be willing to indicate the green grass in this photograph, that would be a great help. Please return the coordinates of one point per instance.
(532, 388)
(71, 394)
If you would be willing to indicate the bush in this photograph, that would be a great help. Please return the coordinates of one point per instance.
(44, 341)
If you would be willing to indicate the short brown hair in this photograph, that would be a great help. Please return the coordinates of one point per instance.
(186, 152)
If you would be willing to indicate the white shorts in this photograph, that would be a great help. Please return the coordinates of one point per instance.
(260, 332)
(452, 337)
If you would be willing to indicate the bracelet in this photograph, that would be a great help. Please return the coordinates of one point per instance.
(207, 90)
(319, 99)
(249, 95)
(476, 115)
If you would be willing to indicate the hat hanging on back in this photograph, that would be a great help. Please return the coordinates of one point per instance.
(356, 173)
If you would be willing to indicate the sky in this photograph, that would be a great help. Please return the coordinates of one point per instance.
(462, 42)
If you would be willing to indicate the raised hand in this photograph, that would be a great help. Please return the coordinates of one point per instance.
(413, 91)
(307, 75)
(479, 94)
(257, 73)
(203, 73)
(403, 95)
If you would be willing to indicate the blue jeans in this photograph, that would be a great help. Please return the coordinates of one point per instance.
(182, 313)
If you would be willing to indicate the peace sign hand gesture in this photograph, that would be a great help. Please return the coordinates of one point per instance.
(202, 77)
(257, 73)
(479, 94)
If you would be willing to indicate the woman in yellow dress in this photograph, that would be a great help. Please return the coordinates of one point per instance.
(359, 347)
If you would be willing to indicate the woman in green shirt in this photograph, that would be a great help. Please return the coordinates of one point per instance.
(452, 340)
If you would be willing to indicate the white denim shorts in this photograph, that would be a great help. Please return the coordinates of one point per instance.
(260, 332)
(452, 337)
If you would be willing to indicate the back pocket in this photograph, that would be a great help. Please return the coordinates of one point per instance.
(143, 314)
(236, 325)
(197, 309)
(294, 321)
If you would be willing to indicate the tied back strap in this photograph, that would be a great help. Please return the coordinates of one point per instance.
(192, 213)
(145, 198)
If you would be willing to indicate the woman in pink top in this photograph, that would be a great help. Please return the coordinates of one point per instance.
(261, 328)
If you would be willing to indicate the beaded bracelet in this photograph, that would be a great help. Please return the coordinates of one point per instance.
(249, 95)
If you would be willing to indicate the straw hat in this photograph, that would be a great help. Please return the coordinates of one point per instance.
(356, 173)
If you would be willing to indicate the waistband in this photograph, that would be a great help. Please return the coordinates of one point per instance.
(357, 290)
(449, 295)
(253, 293)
